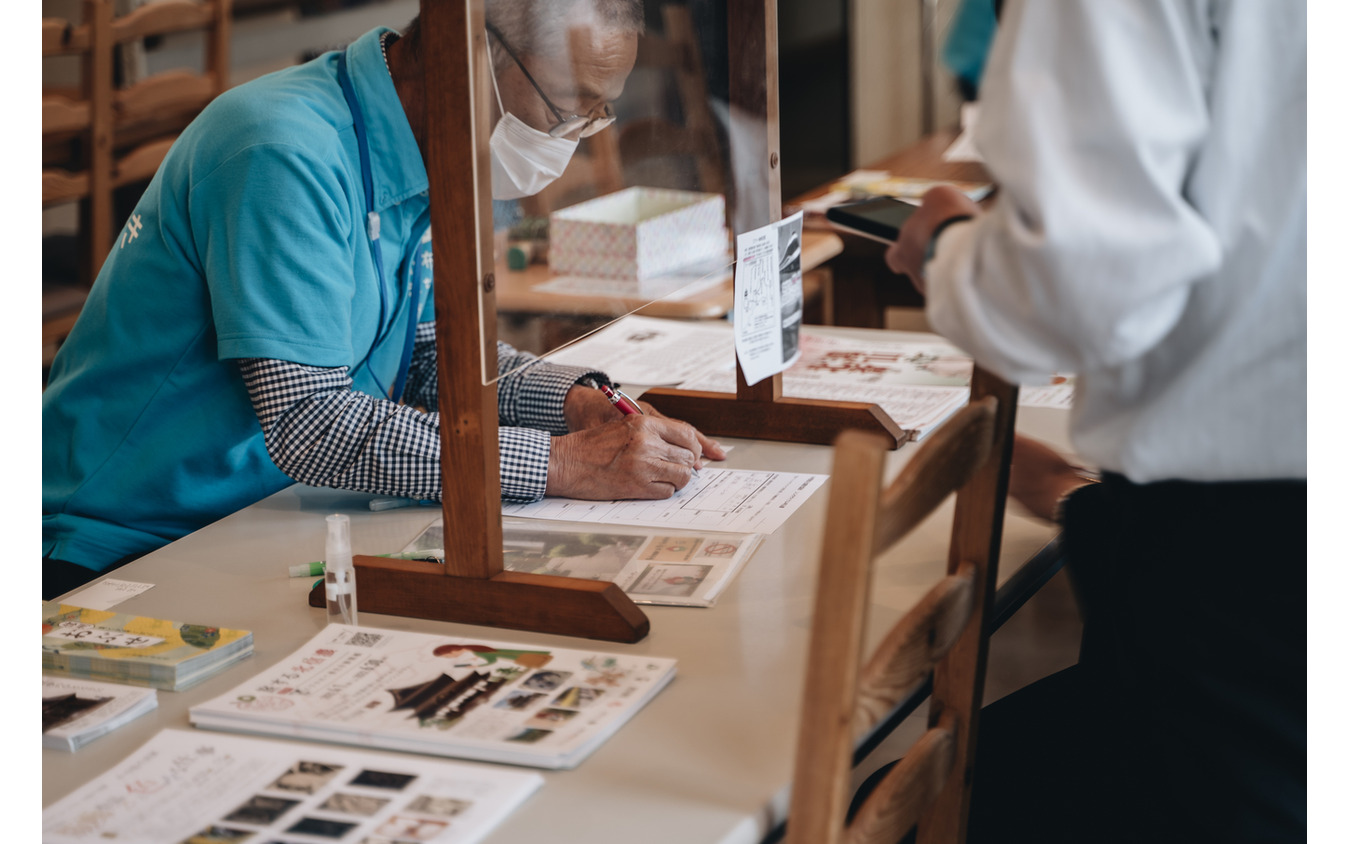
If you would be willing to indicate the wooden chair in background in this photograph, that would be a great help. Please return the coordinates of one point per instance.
(691, 137)
(102, 136)
(945, 633)
(677, 151)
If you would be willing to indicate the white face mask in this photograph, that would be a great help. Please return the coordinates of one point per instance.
(524, 159)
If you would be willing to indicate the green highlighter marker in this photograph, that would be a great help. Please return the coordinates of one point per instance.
(315, 569)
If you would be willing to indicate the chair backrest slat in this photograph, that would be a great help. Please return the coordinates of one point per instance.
(897, 802)
(912, 647)
(945, 463)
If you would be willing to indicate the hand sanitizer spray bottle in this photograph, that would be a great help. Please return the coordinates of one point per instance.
(339, 576)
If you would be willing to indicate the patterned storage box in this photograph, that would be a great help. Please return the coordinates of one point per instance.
(637, 233)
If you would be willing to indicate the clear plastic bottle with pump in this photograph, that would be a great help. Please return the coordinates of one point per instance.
(339, 575)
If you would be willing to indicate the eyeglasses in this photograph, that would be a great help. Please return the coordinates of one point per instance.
(570, 125)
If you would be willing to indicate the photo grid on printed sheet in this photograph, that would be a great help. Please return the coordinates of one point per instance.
(317, 800)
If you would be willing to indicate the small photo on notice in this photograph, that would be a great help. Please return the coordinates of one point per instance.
(545, 681)
(721, 548)
(442, 807)
(216, 834)
(530, 735)
(670, 580)
(364, 805)
(578, 697)
(322, 827)
(672, 549)
(262, 810)
(406, 828)
(518, 700)
(383, 779)
(548, 719)
(305, 777)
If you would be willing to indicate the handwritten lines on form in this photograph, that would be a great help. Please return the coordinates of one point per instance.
(735, 500)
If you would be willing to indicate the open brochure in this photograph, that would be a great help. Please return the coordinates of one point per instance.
(76, 711)
(919, 381)
(186, 786)
(919, 385)
(443, 695)
(678, 568)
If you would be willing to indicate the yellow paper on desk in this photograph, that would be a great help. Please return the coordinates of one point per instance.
(868, 183)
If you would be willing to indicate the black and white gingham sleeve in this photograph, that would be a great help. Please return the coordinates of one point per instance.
(531, 391)
(320, 432)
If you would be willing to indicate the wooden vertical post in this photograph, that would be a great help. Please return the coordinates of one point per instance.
(218, 47)
(752, 36)
(958, 681)
(97, 208)
(760, 410)
(471, 501)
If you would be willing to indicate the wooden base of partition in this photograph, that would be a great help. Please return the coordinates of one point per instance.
(538, 603)
(783, 419)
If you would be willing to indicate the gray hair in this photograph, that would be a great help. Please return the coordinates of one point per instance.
(533, 27)
(530, 25)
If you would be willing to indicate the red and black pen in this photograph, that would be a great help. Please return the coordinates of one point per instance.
(626, 406)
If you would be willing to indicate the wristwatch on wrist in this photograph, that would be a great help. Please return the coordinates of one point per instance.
(937, 232)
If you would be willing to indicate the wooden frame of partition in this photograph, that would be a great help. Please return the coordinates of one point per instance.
(472, 586)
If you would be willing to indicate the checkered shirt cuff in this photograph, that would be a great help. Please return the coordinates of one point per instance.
(532, 396)
(524, 455)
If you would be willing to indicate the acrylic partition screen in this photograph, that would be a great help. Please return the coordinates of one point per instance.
(628, 143)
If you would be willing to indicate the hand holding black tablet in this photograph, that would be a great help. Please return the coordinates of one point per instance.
(879, 219)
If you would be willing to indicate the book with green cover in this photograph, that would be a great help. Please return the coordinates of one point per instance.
(135, 649)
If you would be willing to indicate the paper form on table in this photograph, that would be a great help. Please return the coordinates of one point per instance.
(734, 500)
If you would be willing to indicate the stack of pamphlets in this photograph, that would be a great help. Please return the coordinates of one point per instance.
(186, 787)
(140, 650)
(443, 695)
(75, 712)
(672, 567)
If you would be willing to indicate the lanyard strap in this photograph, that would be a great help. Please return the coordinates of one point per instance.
(373, 234)
(414, 295)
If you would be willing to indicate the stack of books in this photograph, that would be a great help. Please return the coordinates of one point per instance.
(139, 650)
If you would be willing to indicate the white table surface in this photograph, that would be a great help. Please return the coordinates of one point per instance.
(708, 760)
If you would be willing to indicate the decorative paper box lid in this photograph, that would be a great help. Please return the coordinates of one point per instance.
(637, 233)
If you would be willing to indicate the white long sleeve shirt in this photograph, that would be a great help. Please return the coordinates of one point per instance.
(1150, 232)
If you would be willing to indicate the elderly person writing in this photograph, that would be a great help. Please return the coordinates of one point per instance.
(265, 316)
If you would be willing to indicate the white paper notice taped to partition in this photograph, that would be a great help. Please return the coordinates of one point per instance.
(768, 310)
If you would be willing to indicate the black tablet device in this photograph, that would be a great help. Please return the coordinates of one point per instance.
(879, 219)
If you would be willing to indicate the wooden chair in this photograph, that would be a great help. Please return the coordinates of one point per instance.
(692, 137)
(945, 633)
(102, 136)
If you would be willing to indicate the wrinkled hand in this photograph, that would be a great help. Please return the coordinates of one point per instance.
(627, 457)
(586, 408)
(1040, 477)
(906, 255)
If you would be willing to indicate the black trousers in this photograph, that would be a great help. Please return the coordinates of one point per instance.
(1186, 717)
(59, 576)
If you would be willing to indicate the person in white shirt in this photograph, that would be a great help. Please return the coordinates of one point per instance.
(1150, 235)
